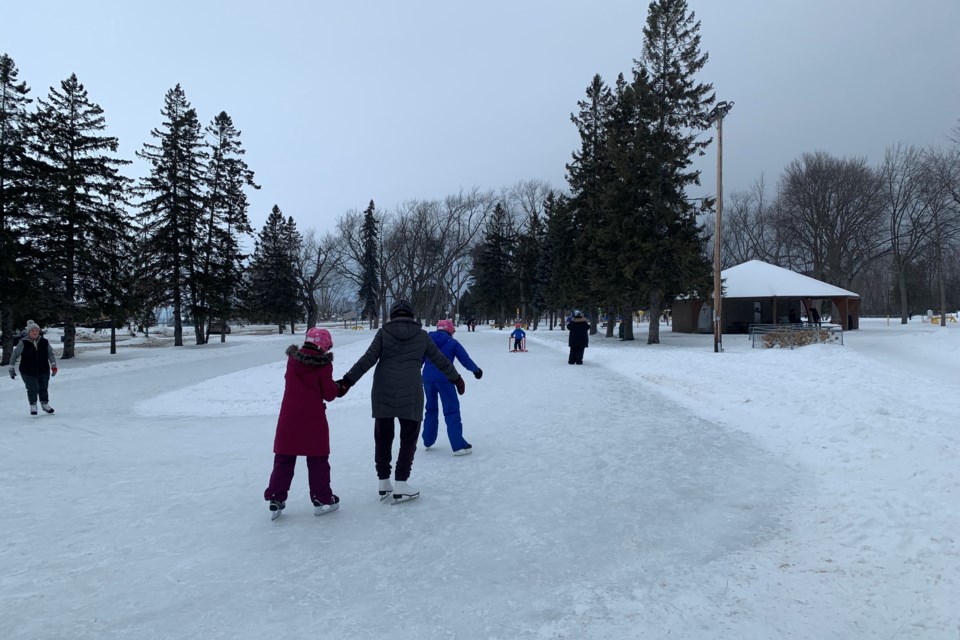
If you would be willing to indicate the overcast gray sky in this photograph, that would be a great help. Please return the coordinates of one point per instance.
(343, 102)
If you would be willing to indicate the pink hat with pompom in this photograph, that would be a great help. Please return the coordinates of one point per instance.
(320, 337)
(446, 325)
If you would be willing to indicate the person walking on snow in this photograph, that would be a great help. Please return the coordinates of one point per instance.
(579, 338)
(302, 428)
(37, 365)
(518, 335)
(436, 384)
(398, 349)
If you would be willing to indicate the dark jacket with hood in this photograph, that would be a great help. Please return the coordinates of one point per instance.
(579, 329)
(398, 350)
(302, 428)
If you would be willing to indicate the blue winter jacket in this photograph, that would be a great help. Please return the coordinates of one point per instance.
(450, 348)
(518, 334)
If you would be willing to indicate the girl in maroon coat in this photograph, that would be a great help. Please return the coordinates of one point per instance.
(302, 428)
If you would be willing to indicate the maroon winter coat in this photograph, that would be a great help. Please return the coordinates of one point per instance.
(302, 428)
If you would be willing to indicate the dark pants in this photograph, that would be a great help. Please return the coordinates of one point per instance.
(318, 474)
(37, 386)
(383, 430)
(576, 355)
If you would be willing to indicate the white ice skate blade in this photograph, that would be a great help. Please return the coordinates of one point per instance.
(275, 514)
(324, 509)
(385, 496)
(397, 500)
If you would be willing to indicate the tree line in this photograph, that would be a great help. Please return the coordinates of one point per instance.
(80, 240)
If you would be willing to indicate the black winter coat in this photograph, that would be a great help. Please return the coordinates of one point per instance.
(398, 350)
(579, 330)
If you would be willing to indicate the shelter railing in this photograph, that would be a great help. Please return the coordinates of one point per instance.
(794, 335)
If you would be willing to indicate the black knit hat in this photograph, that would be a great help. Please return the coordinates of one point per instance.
(401, 309)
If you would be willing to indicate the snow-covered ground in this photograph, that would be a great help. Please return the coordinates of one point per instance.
(656, 491)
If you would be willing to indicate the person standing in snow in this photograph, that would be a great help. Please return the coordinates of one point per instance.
(37, 365)
(398, 350)
(436, 384)
(302, 428)
(518, 335)
(579, 338)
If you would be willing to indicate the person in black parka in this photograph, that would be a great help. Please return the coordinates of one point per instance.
(398, 351)
(579, 338)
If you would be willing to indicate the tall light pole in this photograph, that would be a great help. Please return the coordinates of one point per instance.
(717, 114)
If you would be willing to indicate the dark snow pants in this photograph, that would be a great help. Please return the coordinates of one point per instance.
(383, 432)
(318, 474)
(37, 386)
(576, 355)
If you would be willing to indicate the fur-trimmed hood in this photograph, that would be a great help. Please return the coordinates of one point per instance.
(309, 356)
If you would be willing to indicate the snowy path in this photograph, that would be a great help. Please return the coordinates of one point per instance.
(144, 519)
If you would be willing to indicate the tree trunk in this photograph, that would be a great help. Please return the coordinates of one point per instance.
(113, 337)
(628, 326)
(610, 322)
(69, 337)
(654, 335)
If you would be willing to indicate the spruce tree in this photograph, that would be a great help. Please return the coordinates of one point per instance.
(172, 205)
(587, 176)
(271, 290)
(82, 200)
(674, 254)
(494, 270)
(370, 286)
(225, 222)
(15, 188)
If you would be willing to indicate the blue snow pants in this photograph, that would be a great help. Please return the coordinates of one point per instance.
(451, 414)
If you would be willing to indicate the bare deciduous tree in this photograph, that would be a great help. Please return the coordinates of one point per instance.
(830, 213)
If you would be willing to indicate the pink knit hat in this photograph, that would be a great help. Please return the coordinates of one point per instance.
(320, 337)
(446, 325)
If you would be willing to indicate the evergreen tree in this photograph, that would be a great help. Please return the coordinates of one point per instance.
(82, 198)
(494, 270)
(674, 252)
(226, 221)
(370, 286)
(271, 292)
(15, 187)
(173, 203)
(587, 176)
(529, 246)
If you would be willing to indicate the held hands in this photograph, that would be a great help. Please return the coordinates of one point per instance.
(13, 373)
(344, 385)
(461, 385)
(53, 371)
(478, 374)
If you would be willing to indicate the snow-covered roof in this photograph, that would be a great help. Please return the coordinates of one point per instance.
(756, 279)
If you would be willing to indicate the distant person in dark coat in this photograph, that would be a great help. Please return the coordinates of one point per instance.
(579, 338)
(37, 365)
(814, 316)
(302, 428)
(398, 350)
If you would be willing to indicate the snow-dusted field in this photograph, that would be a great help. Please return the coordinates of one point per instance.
(656, 491)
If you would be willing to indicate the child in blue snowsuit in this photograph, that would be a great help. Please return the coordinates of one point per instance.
(518, 335)
(435, 383)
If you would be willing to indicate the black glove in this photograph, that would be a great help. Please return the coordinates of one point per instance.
(13, 374)
(478, 374)
(461, 385)
(344, 385)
